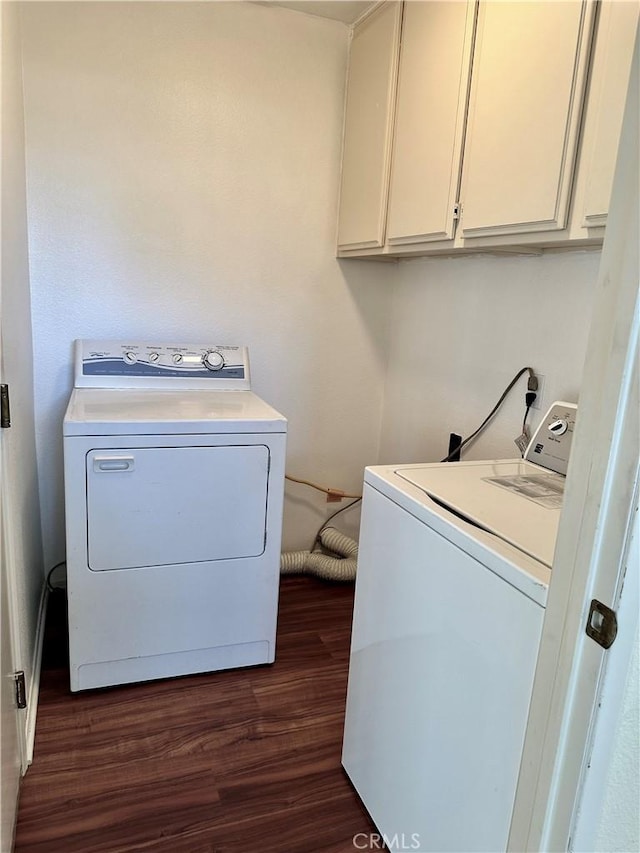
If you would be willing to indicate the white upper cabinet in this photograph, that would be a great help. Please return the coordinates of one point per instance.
(366, 153)
(526, 99)
(610, 70)
(483, 124)
(433, 82)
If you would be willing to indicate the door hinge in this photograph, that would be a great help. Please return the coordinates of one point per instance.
(602, 624)
(5, 411)
(21, 690)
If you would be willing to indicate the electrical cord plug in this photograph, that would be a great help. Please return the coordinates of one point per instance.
(529, 398)
(467, 441)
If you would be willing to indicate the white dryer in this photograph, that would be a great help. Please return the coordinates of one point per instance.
(174, 483)
(453, 570)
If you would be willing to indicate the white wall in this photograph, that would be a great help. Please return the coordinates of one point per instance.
(183, 166)
(618, 827)
(20, 486)
(462, 328)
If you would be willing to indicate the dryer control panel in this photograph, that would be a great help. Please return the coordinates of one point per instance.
(551, 443)
(125, 364)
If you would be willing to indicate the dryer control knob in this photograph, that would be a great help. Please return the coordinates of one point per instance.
(130, 357)
(213, 360)
(558, 427)
(177, 358)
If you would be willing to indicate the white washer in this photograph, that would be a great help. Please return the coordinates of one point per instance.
(174, 483)
(453, 570)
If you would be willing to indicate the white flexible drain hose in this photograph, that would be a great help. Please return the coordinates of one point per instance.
(339, 565)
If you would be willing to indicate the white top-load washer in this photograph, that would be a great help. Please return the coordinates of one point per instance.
(453, 570)
(174, 483)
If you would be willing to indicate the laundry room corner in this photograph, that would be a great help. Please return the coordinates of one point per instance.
(319, 426)
(182, 185)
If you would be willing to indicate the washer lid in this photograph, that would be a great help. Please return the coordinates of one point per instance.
(516, 500)
(96, 411)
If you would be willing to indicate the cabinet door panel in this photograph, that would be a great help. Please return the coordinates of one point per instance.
(368, 124)
(526, 97)
(608, 87)
(430, 111)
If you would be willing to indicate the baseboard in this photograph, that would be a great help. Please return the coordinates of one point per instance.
(34, 686)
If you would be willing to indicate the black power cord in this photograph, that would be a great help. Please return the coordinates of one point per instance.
(530, 397)
(532, 388)
(50, 587)
(331, 517)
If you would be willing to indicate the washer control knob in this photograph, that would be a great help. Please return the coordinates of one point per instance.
(559, 426)
(153, 357)
(213, 360)
(130, 357)
(177, 358)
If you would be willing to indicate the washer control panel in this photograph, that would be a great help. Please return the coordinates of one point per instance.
(115, 364)
(551, 443)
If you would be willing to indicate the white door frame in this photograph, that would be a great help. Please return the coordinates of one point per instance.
(13, 752)
(594, 534)
(613, 754)
(10, 591)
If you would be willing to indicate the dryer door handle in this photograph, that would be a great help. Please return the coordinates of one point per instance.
(112, 464)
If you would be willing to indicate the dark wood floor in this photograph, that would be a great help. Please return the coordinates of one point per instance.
(244, 761)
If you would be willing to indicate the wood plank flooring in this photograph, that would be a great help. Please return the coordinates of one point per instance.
(243, 761)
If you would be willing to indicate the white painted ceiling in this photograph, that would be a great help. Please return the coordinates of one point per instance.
(346, 11)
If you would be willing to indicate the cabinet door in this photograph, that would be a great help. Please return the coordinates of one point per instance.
(611, 66)
(431, 106)
(526, 98)
(368, 126)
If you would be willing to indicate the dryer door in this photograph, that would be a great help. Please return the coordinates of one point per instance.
(155, 506)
